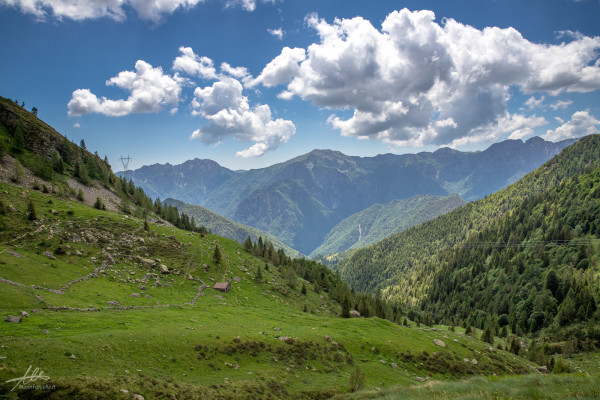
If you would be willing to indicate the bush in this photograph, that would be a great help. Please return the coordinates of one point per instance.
(99, 205)
(31, 214)
(357, 379)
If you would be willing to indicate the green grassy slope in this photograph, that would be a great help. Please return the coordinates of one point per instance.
(252, 342)
(225, 227)
(382, 220)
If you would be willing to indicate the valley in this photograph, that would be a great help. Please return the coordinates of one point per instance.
(115, 295)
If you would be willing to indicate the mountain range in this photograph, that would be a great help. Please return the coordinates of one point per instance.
(301, 200)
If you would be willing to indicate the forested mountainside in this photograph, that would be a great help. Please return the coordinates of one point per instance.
(301, 200)
(526, 256)
(382, 220)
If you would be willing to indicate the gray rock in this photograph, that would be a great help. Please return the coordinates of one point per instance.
(13, 319)
(142, 287)
(394, 365)
(474, 361)
(49, 255)
(113, 303)
(439, 342)
(163, 269)
(72, 357)
(354, 314)
(138, 397)
(24, 314)
(14, 254)
(420, 379)
(135, 295)
(148, 263)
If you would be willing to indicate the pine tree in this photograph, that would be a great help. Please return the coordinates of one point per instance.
(345, 307)
(248, 244)
(217, 255)
(146, 225)
(487, 336)
(259, 275)
(31, 214)
(99, 205)
(303, 291)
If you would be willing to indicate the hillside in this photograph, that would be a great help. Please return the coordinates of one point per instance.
(382, 220)
(113, 304)
(114, 310)
(301, 200)
(526, 256)
(225, 227)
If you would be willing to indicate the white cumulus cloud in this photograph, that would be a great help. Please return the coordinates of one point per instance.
(192, 64)
(282, 68)
(582, 123)
(151, 10)
(278, 33)
(229, 114)
(561, 104)
(84, 9)
(418, 81)
(150, 90)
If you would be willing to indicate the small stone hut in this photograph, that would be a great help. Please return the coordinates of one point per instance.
(222, 286)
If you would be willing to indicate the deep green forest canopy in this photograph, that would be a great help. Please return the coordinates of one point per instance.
(526, 256)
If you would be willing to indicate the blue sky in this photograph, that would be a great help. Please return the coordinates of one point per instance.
(249, 83)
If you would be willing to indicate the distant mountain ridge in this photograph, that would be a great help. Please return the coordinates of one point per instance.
(301, 200)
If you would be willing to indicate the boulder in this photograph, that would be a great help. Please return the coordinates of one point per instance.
(135, 295)
(113, 303)
(163, 269)
(420, 378)
(14, 254)
(474, 361)
(439, 342)
(13, 319)
(148, 263)
(354, 314)
(49, 255)
(24, 314)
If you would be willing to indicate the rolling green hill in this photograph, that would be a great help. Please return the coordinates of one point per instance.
(116, 310)
(382, 220)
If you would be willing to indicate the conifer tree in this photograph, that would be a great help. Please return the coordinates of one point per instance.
(259, 275)
(31, 214)
(217, 255)
(248, 244)
(345, 307)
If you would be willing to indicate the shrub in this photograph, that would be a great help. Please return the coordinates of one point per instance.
(357, 379)
(99, 205)
(31, 214)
